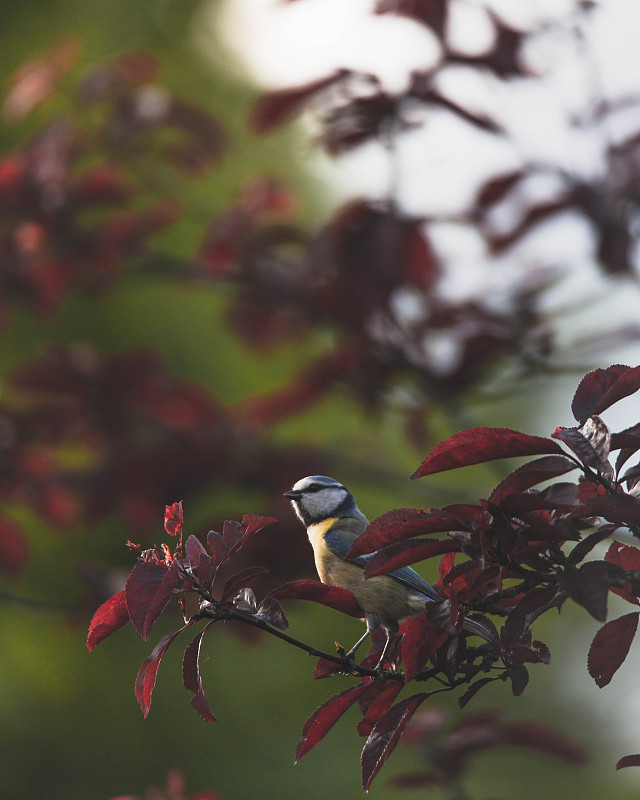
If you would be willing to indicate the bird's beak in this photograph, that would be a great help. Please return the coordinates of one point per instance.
(292, 495)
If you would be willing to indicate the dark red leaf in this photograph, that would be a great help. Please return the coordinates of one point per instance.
(519, 676)
(386, 693)
(420, 640)
(623, 509)
(325, 717)
(530, 474)
(627, 558)
(234, 536)
(271, 612)
(195, 551)
(399, 524)
(173, 518)
(592, 388)
(161, 597)
(142, 585)
(629, 761)
(591, 443)
(477, 445)
(610, 646)
(589, 587)
(191, 676)
(275, 108)
(111, 616)
(386, 735)
(240, 580)
(473, 689)
(332, 596)
(401, 554)
(584, 547)
(445, 565)
(628, 383)
(535, 599)
(146, 679)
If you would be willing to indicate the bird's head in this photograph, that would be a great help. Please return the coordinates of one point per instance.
(316, 498)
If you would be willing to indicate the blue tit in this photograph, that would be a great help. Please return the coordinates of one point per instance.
(333, 521)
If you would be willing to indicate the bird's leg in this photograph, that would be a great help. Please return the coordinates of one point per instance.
(373, 623)
(391, 630)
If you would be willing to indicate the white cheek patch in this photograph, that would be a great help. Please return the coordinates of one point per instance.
(323, 502)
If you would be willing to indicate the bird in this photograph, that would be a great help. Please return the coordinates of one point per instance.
(333, 521)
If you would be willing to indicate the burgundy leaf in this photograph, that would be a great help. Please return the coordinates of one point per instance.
(591, 443)
(161, 597)
(589, 587)
(420, 640)
(535, 599)
(142, 584)
(610, 647)
(584, 547)
(623, 509)
(234, 536)
(271, 612)
(592, 388)
(401, 554)
(275, 108)
(387, 692)
(477, 445)
(399, 524)
(325, 717)
(530, 474)
(628, 442)
(473, 689)
(195, 551)
(146, 679)
(629, 761)
(173, 518)
(386, 735)
(191, 675)
(627, 558)
(240, 580)
(519, 676)
(332, 596)
(628, 383)
(111, 616)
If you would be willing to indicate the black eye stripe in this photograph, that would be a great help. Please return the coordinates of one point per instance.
(318, 487)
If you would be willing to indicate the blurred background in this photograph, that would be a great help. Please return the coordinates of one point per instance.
(247, 241)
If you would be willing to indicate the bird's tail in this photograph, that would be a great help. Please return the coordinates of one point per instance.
(478, 628)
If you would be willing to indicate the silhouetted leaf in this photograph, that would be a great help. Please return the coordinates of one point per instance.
(478, 445)
(588, 586)
(271, 612)
(473, 689)
(629, 761)
(111, 616)
(610, 647)
(591, 443)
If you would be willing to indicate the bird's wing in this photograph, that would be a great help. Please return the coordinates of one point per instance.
(340, 546)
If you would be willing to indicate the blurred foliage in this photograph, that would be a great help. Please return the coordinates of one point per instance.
(72, 727)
